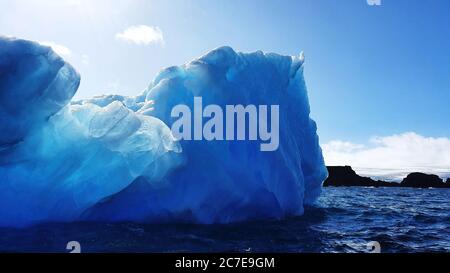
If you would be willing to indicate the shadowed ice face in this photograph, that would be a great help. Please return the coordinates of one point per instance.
(35, 83)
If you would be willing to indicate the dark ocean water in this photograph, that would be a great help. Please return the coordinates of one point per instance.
(344, 220)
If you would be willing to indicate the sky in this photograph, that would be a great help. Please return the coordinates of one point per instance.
(378, 76)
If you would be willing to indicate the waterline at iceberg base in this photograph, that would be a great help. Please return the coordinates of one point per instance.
(114, 158)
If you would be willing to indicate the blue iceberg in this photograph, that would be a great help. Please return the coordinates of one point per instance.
(115, 158)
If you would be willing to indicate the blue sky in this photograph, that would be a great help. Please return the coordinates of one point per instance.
(371, 70)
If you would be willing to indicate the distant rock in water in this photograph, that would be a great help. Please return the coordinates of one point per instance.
(421, 180)
(345, 176)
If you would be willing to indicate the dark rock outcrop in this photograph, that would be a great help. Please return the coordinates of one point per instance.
(421, 180)
(345, 176)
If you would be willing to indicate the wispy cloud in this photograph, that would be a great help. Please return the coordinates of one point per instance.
(85, 59)
(392, 156)
(73, 3)
(114, 86)
(58, 48)
(142, 35)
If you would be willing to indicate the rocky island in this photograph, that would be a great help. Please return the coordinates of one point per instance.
(345, 176)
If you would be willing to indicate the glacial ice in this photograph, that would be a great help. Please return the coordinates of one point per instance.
(114, 158)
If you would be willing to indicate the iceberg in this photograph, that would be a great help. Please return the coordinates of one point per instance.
(115, 158)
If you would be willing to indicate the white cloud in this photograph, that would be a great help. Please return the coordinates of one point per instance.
(73, 3)
(114, 86)
(142, 35)
(85, 59)
(392, 156)
(59, 49)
